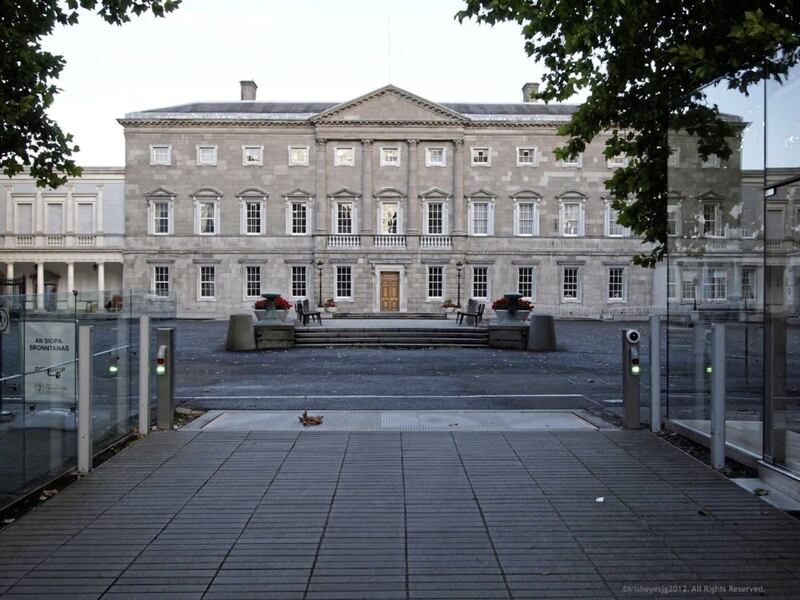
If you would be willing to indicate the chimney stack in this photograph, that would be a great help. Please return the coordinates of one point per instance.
(249, 88)
(528, 90)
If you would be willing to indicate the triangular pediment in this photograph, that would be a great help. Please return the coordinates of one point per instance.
(389, 104)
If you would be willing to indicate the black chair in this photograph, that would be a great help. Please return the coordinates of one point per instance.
(472, 311)
(310, 315)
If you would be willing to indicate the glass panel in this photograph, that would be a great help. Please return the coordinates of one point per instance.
(782, 273)
(715, 252)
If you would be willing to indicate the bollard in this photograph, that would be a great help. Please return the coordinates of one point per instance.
(630, 379)
(84, 399)
(165, 377)
(655, 374)
(144, 374)
(718, 397)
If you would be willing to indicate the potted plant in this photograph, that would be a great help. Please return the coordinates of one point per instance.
(260, 308)
(449, 306)
(330, 306)
(501, 305)
(282, 308)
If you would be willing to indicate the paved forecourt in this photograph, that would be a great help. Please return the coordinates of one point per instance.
(239, 515)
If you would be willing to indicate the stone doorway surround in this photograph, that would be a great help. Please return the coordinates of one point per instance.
(376, 279)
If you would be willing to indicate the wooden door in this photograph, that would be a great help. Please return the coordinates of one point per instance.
(390, 291)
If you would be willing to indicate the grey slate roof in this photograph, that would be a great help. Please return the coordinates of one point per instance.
(305, 110)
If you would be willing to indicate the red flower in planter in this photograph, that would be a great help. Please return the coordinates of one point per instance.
(280, 304)
(503, 304)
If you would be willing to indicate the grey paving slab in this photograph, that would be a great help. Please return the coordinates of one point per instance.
(401, 514)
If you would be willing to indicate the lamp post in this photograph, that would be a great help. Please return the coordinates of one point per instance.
(319, 289)
(459, 266)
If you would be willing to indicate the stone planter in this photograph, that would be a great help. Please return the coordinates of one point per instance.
(449, 310)
(331, 309)
(282, 313)
(503, 317)
(260, 312)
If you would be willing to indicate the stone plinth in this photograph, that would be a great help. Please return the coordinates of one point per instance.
(274, 335)
(542, 334)
(240, 333)
(508, 335)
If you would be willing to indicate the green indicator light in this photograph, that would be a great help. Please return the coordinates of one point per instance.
(161, 369)
(708, 370)
(113, 368)
(635, 369)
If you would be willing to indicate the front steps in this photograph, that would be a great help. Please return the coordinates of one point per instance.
(393, 337)
(390, 315)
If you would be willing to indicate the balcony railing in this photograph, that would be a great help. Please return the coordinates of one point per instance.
(25, 241)
(55, 241)
(344, 241)
(390, 241)
(435, 241)
(85, 240)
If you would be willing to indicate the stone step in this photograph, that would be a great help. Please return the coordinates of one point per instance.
(398, 344)
(399, 338)
(391, 316)
(432, 333)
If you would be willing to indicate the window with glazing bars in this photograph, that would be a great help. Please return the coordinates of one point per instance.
(716, 285)
(572, 215)
(253, 217)
(208, 282)
(710, 212)
(161, 217)
(570, 283)
(525, 281)
(344, 282)
(299, 217)
(614, 228)
(299, 282)
(207, 217)
(344, 218)
(161, 280)
(480, 218)
(252, 281)
(526, 218)
(435, 218)
(616, 283)
(435, 282)
(480, 282)
(671, 284)
(688, 285)
(748, 283)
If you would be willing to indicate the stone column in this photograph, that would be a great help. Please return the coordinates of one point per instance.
(70, 284)
(413, 224)
(459, 213)
(10, 270)
(40, 286)
(368, 201)
(101, 285)
(321, 217)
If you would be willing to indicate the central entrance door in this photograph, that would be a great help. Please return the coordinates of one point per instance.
(390, 291)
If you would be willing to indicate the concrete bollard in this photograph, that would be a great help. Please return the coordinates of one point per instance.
(241, 335)
(542, 333)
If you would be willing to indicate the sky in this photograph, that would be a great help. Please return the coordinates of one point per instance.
(298, 50)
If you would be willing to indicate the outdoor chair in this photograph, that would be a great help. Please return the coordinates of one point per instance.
(307, 314)
(474, 311)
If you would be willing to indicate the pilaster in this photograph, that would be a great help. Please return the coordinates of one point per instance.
(368, 200)
(458, 188)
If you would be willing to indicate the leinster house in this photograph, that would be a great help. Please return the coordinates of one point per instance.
(388, 203)
(385, 203)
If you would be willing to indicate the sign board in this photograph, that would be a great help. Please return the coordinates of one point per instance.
(48, 345)
(5, 321)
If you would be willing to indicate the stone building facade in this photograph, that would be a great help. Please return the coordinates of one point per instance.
(393, 202)
(64, 239)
